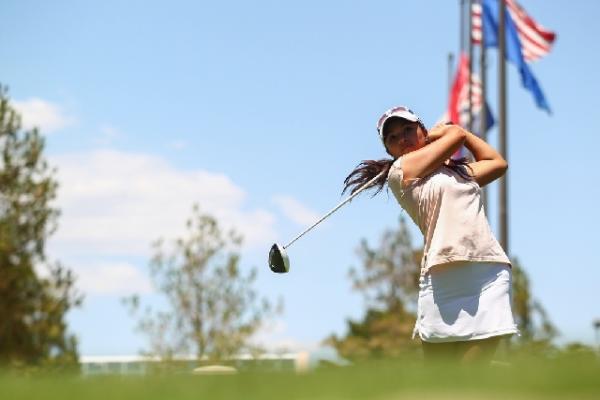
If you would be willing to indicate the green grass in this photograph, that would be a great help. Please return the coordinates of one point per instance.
(561, 379)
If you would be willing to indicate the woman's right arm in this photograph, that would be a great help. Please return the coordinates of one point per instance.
(446, 140)
(489, 165)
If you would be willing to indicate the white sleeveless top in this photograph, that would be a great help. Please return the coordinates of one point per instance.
(448, 210)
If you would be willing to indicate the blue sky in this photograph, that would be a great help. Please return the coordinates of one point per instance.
(257, 111)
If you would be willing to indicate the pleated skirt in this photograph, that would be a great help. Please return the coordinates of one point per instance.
(465, 301)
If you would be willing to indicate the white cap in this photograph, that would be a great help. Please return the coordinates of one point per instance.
(399, 111)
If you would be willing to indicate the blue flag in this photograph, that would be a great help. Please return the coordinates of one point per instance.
(489, 120)
(514, 52)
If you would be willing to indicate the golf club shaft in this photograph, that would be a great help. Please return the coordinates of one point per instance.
(366, 185)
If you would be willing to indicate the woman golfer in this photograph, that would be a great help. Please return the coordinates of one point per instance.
(464, 303)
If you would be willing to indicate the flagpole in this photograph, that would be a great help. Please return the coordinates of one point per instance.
(462, 28)
(470, 52)
(502, 119)
(450, 74)
(483, 112)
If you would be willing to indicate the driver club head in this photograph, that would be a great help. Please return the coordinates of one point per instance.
(278, 259)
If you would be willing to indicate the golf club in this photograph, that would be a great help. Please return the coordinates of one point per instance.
(278, 258)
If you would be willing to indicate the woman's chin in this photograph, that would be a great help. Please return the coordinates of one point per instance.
(409, 150)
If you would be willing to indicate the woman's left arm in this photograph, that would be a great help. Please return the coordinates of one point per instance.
(489, 165)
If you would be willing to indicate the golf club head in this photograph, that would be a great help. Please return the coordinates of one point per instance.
(278, 259)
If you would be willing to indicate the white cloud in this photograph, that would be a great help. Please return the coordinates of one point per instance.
(118, 278)
(274, 336)
(296, 211)
(108, 135)
(105, 278)
(36, 112)
(117, 203)
(178, 144)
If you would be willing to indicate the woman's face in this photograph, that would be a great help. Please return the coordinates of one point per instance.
(402, 136)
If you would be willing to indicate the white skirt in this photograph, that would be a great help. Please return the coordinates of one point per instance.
(465, 301)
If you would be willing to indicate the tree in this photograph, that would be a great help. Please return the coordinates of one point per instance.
(381, 333)
(212, 308)
(389, 275)
(388, 280)
(35, 294)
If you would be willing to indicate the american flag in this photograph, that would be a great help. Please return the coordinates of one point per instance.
(458, 106)
(536, 41)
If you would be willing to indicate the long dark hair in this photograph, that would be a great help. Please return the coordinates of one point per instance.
(369, 169)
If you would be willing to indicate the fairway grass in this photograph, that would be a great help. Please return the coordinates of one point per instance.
(380, 380)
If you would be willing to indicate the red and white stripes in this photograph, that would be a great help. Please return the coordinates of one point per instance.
(536, 41)
(458, 107)
(459, 98)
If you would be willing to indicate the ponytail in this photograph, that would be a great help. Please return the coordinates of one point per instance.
(460, 166)
(365, 171)
(369, 169)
